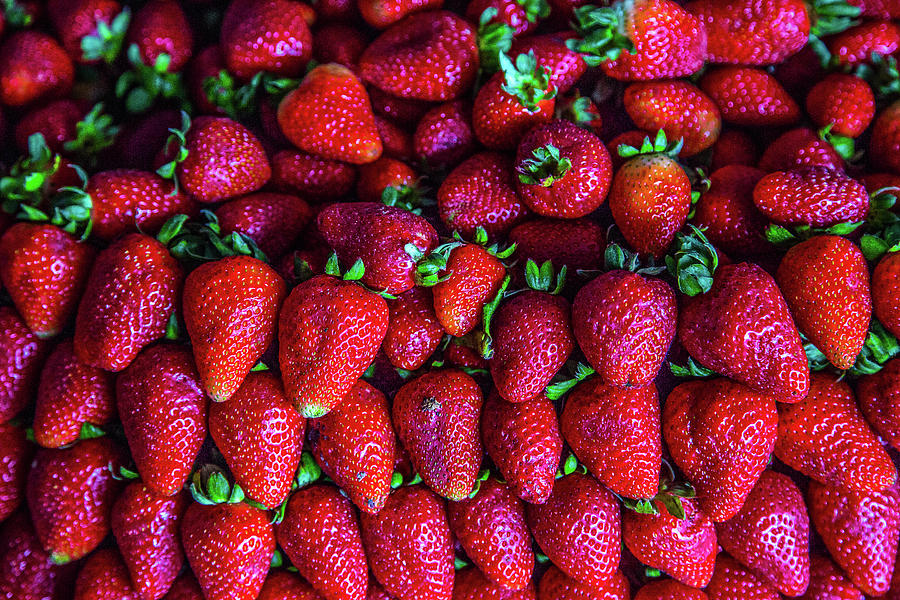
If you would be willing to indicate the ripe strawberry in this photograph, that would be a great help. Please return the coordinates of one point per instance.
(444, 136)
(320, 534)
(339, 43)
(44, 270)
(522, 17)
(733, 581)
(720, 434)
(885, 296)
(15, 459)
(827, 582)
(882, 9)
(132, 291)
(734, 147)
(270, 36)
(800, 147)
(566, 65)
(825, 282)
(727, 214)
(70, 395)
(33, 67)
(187, 588)
(750, 97)
(20, 363)
(857, 44)
(272, 221)
(884, 147)
(329, 331)
(56, 120)
(524, 442)
(385, 172)
(282, 584)
(678, 108)
(383, 13)
(490, 526)
(556, 585)
(357, 438)
(382, 237)
(164, 411)
(146, 526)
(576, 244)
(408, 544)
(397, 110)
(311, 176)
(843, 101)
(26, 570)
(815, 196)
(669, 589)
(75, 21)
(376, 592)
(161, 27)
(877, 395)
(578, 528)
(471, 584)
(563, 170)
(329, 115)
(770, 534)
(414, 331)
(70, 493)
(103, 576)
(614, 432)
(480, 193)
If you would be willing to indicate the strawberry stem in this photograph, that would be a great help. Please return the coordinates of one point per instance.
(602, 33)
(832, 16)
(494, 38)
(545, 167)
(692, 262)
(526, 80)
(106, 42)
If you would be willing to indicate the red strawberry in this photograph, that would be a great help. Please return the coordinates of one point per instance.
(356, 437)
(669, 589)
(726, 212)
(578, 528)
(376, 592)
(15, 459)
(860, 531)
(522, 17)
(329, 331)
(146, 526)
(826, 438)
(720, 434)
(161, 27)
(320, 535)
(884, 147)
(750, 97)
(444, 136)
(490, 526)
(339, 43)
(329, 115)
(272, 221)
(260, 435)
(385, 172)
(397, 110)
(33, 66)
(800, 147)
(771, 534)
(563, 170)
(382, 13)
(523, 441)
(827, 582)
(825, 282)
(281, 584)
(566, 65)
(414, 331)
(878, 396)
(57, 121)
(70, 493)
(311, 176)
(26, 569)
(20, 363)
(857, 44)
(843, 101)
(679, 109)
(471, 584)
(103, 576)
(614, 432)
(71, 394)
(270, 36)
(885, 293)
(734, 147)
(556, 585)
(733, 581)
(408, 545)
(187, 588)
(883, 9)
(44, 269)
(576, 244)
(815, 196)
(164, 412)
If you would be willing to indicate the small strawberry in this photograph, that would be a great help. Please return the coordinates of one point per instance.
(56, 120)
(843, 101)
(858, 43)
(383, 13)
(272, 221)
(733, 581)
(20, 363)
(385, 172)
(828, 582)
(15, 460)
(271, 36)
(885, 293)
(556, 585)
(800, 147)
(576, 244)
(282, 584)
(472, 584)
(103, 576)
(311, 176)
(815, 196)
(26, 569)
(669, 589)
(884, 147)
(522, 17)
(678, 108)
(414, 331)
(878, 396)
(750, 97)
(159, 28)
(726, 212)
(444, 136)
(33, 67)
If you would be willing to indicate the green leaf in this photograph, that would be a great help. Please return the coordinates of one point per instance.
(487, 314)
(692, 369)
(494, 38)
(556, 390)
(692, 261)
(880, 347)
(545, 167)
(90, 431)
(106, 43)
(535, 9)
(308, 472)
(173, 330)
(526, 80)
(832, 16)
(602, 33)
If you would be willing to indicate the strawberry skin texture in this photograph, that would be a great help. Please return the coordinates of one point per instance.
(20, 363)
(71, 393)
(26, 571)
(731, 581)
(444, 136)
(285, 585)
(230, 312)
(310, 176)
(556, 585)
(566, 66)
(414, 331)
(524, 442)
(383, 13)
(844, 101)
(721, 435)
(357, 438)
(826, 438)
(271, 36)
(860, 531)
(187, 588)
(427, 56)
(679, 108)
(320, 534)
(473, 278)
(886, 292)
(408, 544)
(878, 396)
(378, 235)
(884, 147)
(133, 289)
(798, 148)
(44, 269)
(491, 528)
(750, 97)
(745, 304)
(229, 547)
(384, 172)
(164, 413)
(573, 243)
(614, 432)
(498, 118)
(329, 331)
(161, 27)
(15, 459)
(856, 45)
(103, 576)
(70, 493)
(273, 221)
(727, 213)
(33, 67)
(815, 196)
(734, 147)
(329, 115)
(669, 589)
(825, 281)
(829, 582)
(471, 584)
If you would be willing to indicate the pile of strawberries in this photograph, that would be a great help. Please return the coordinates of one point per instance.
(392, 299)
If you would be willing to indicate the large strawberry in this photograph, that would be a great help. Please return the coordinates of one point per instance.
(272, 221)
(414, 331)
(556, 585)
(842, 101)
(726, 213)
(15, 460)
(878, 395)
(815, 196)
(678, 108)
(750, 97)
(733, 581)
(33, 67)
(20, 363)
(103, 576)
(271, 36)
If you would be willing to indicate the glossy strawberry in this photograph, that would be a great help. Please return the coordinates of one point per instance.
(383, 13)
(814, 196)
(282, 584)
(33, 67)
(15, 459)
(678, 108)
(877, 395)
(444, 136)
(385, 172)
(103, 576)
(556, 585)
(186, 588)
(26, 569)
(161, 27)
(20, 363)
(311, 176)
(843, 101)
(471, 584)
(727, 213)
(470, 279)
(414, 331)
(571, 243)
(731, 581)
(801, 147)
(566, 65)
(272, 221)
(827, 582)
(857, 44)
(749, 96)
(270, 36)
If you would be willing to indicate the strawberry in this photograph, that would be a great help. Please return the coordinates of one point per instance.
(522, 17)
(877, 396)
(799, 148)
(272, 221)
(70, 493)
(339, 43)
(843, 101)
(408, 544)
(132, 291)
(471, 584)
(164, 411)
(311, 176)
(563, 171)
(20, 363)
(556, 585)
(57, 121)
(825, 282)
(733, 581)
(678, 108)
(444, 136)
(770, 534)
(566, 65)
(669, 589)
(329, 331)
(270, 36)
(146, 526)
(396, 140)
(815, 196)
(387, 239)
(578, 529)
(187, 588)
(15, 459)
(720, 434)
(414, 331)
(260, 435)
(882, 9)
(576, 244)
(160, 27)
(490, 526)
(71, 395)
(376, 592)
(398, 110)
(811, 432)
(827, 582)
(320, 534)
(524, 442)
(26, 570)
(857, 44)
(357, 437)
(885, 280)
(860, 531)
(480, 192)
(884, 147)
(383, 13)
(282, 584)
(614, 432)
(329, 115)
(33, 67)
(734, 147)
(650, 196)
(727, 214)
(749, 96)
(103, 576)
(385, 172)
(44, 269)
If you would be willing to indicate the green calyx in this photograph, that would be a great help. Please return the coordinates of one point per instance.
(106, 42)
(602, 33)
(879, 348)
(581, 112)
(143, 85)
(535, 9)
(203, 241)
(486, 342)
(882, 225)
(354, 273)
(29, 177)
(494, 39)
(90, 431)
(544, 278)
(15, 14)
(843, 145)
(832, 16)
(882, 75)
(545, 167)
(122, 473)
(408, 197)
(526, 80)
(176, 147)
(578, 373)
(70, 210)
(483, 476)
(658, 145)
(784, 236)
(615, 257)
(308, 472)
(242, 101)
(692, 261)
(94, 133)
(428, 268)
(209, 486)
(692, 369)
(670, 495)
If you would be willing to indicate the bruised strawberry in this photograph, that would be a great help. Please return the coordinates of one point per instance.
(414, 331)
(814, 196)
(750, 97)
(311, 176)
(556, 585)
(727, 214)
(878, 395)
(731, 581)
(444, 136)
(33, 67)
(20, 363)
(15, 460)
(678, 108)
(103, 576)
(270, 36)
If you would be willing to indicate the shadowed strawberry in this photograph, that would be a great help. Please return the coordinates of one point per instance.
(15, 460)
(20, 363)
(414, 331)
(311, 176)
(669, 589)
(103, 576)
(801, 147)
(159, 28)
(187, 588)
(33, 67)
(750, 97)
(282, 584)
(556, 585)
(26, 569)
(271, 36)
(884, 146)
(471, 584)
(878, 396)
(828, 582)
(272, 221)
(444, 136)
(733, 581)
(726, 212)
(576, 244)
(382, 13)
